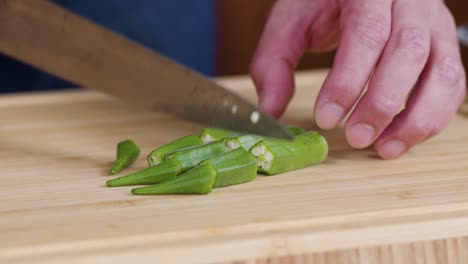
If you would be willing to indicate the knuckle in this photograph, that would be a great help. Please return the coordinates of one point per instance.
(346, 93)
(384, 108)
(449, 70)
(414, 44)
(372, 31)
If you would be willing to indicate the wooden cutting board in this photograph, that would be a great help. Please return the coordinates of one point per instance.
(55, 149)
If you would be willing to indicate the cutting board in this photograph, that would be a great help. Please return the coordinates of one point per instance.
(56, 148)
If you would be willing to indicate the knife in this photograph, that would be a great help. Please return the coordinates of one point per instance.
(64, 44)
(462, 32)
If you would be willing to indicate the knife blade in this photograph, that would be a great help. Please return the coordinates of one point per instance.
(462, 32)
(64, 44)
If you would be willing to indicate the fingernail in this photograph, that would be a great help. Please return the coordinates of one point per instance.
(329, 115)
(392, 149)
(360, 135)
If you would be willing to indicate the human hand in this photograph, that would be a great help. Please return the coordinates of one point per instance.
(407, 50)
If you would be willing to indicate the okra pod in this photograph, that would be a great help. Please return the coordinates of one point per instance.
(212, 134)
(158, 173)
(234, 167)
(127, 154)
(157, 155)
(198, 180)
(192, 156)
(276, 156)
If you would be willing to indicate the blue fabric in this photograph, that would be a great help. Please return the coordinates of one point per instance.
(183, 30)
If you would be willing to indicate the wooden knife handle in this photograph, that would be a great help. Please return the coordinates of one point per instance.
(64, 44)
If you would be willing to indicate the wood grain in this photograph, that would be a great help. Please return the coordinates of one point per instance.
(444, 251)
(56, 148)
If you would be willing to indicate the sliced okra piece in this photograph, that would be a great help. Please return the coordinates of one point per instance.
(157, 155)
(212, 134)
(278, 156)
(245, 141)
(198, 180)
(158, 173)
(127, 154)
(234, 167)
(173, 164)
(248, 140)
(192, 156)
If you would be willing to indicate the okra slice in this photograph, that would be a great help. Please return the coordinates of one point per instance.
(244, 140)
(127, 154)
(157, 155)
(276, 156)
(158, 173)
(192, 156)
(212, 134)
(198, 180)
(234, 167)
(248, 140)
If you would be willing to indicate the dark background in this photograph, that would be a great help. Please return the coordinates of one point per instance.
(240, 24)
(215, 37)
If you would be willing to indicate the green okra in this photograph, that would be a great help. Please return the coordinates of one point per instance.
(212, 134)
(295, 131)
(158, 173)
(276, 156)
(127, 154)
(173, 164)
(245, 141)
(198, 180)
(234, 167)
(157, 155)
(192, 156)
(248, 140)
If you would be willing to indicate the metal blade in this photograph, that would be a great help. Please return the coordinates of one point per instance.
(199, 99)
(191, 96)
(462, 32)
(51, 38)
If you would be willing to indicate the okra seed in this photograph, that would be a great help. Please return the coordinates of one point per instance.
(266, 165)
(268, 156)
(254, 117)
(207, 138)
(233, 144)
(257, 151)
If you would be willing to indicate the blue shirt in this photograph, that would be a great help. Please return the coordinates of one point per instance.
(183, 30)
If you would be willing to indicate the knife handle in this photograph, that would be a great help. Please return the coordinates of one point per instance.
(49, 37)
